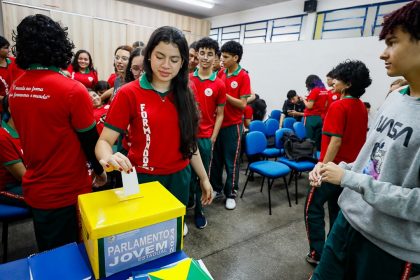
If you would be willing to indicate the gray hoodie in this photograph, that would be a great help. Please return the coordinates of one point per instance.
(381, 196)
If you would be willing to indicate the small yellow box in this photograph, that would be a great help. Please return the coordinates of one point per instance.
(123, 232)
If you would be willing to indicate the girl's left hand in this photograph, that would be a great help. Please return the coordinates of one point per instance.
(332, 173)
(207, 190)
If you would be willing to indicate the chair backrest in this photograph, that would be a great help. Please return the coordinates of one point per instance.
(275, 114)
(279, 135)
(300, 130)
(255, 142)
(257, 126)
(271, 126)
(288, 122)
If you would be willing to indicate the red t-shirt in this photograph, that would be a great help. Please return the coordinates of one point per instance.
(99, 114)
(346, 118)
(154, 129)
(89, 79)
(332, 97)
(111, 79)
(248, 112)
(50, 110)
(238, 86)
(8, 75)
(320, 98)
(210, 94)
(11, 153)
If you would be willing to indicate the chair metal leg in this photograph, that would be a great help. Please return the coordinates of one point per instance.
(287, 190)
(269, 193)
(291, 176)
(247, 168)
(262, 184)
(296, 187)
(4, 240)
(246, 182)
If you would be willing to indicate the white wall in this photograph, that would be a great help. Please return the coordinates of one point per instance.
(278, 67)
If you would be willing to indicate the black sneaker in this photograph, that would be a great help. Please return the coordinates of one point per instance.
(200, 221)
(311, 260)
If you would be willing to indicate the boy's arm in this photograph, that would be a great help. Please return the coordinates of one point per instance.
(333, 148)
(219, 119)
(238, 103)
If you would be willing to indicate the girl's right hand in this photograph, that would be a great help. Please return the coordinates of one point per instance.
(314, 175)
(116, 161)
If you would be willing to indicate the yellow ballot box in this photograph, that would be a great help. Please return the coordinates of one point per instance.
(122, 232)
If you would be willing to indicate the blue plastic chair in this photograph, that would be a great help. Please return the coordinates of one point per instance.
(297, 167)
(275, 114)
(10, 214)
(288, 122)
(256, 142)
(300, 130)
(257, 125)
(271, 126)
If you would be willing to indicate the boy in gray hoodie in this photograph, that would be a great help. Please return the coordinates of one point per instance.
(377, 233)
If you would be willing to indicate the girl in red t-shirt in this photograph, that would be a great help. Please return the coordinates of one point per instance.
(161, 112)
(81, 69)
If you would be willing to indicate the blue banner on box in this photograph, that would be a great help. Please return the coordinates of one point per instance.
(133, 248)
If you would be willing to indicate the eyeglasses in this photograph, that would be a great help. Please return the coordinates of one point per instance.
(123, 58)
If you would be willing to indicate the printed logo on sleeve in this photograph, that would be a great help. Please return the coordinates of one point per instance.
(334, 97)
(90, 79)
(234, 84)
(208, 92)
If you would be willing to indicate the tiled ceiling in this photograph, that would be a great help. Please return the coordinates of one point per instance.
(221, 6)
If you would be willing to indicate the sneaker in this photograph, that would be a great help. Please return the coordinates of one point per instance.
(185, 230)
(200, 221)
(191, 205)
(217, 195)
(311, 260)
(230, 204)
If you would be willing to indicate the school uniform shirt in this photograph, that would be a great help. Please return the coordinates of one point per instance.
(111, 79)
(99, 114)
(320, 97)
(238, 86)
(50, 110)
(209, 94)
(154, 129)
(8, 74)
(11, 153)
(332, 97)
(248, 112)
(89, 78)
(298, 107)
(347, 119)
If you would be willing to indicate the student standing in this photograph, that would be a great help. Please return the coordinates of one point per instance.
(81, 69)
(8, 69)
(210, 94)
(343, 135)
(376, 234)
(193, 59)
(12, 167)
(315, 104)
(226, 150)
(163, 119)
(54, 118)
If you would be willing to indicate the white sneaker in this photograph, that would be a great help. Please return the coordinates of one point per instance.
(230, 204)
(185, 229)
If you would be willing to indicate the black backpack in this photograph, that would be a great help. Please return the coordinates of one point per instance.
(298, 149)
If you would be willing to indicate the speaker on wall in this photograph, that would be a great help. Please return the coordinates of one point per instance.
(310, 6)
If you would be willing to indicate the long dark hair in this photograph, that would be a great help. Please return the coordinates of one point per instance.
(128, 75)
(183, 97)
(75, 62)
(313, 81)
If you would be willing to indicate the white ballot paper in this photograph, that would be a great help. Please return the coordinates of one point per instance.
(130, 183)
